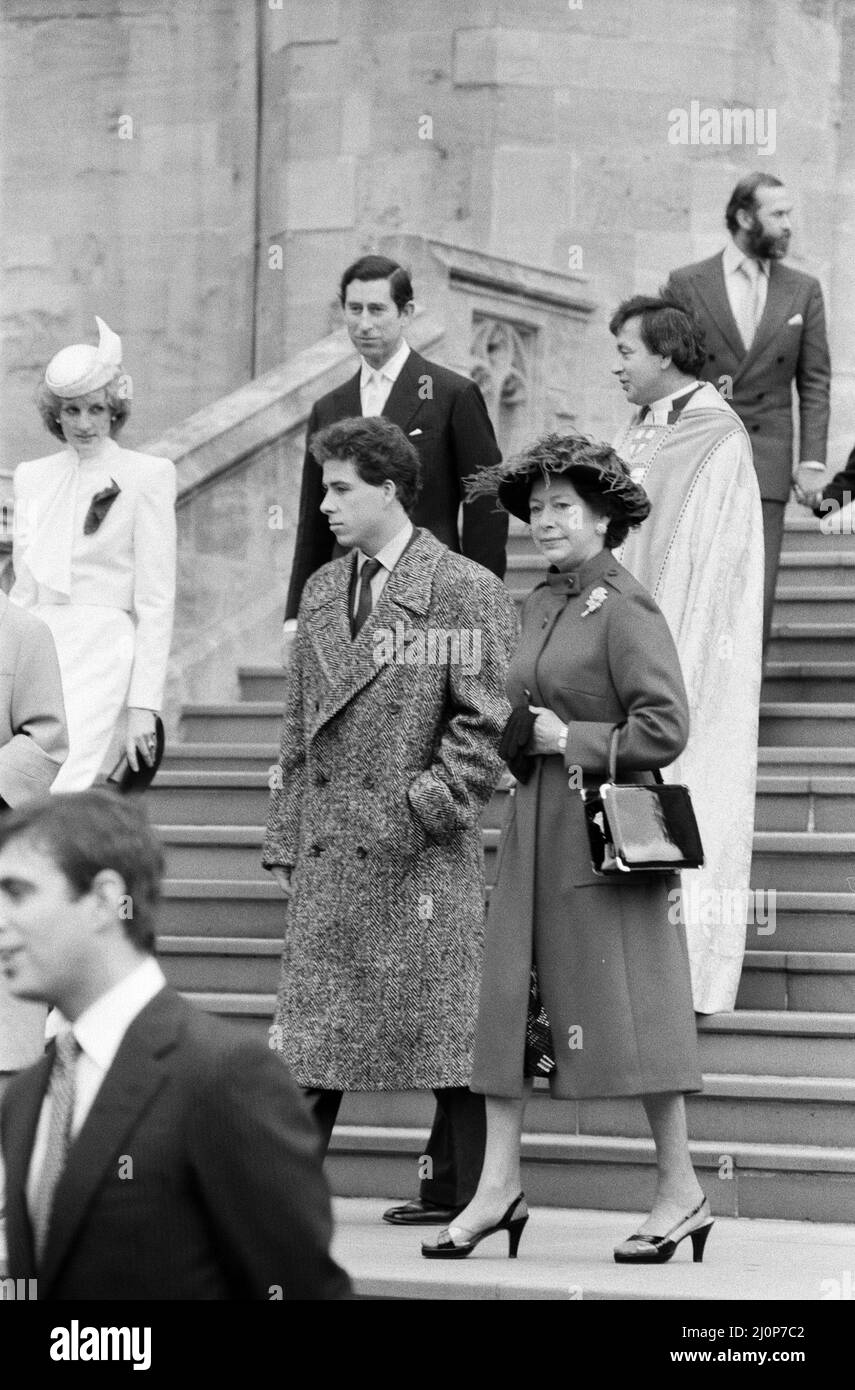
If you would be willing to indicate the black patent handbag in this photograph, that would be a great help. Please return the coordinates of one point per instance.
(638, 828)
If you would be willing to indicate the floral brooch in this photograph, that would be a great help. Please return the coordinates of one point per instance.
(596, 599)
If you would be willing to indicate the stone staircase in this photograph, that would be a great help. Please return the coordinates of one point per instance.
(773, 1134)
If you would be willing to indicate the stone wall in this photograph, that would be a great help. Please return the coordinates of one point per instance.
(538, 130)
(129, 142)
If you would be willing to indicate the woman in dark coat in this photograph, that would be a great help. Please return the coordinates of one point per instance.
(595, 960)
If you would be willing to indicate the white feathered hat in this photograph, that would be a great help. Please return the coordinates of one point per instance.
(81, 368)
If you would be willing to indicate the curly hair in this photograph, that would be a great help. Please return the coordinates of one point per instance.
(598, 474)
(49, 406)
(378, 450)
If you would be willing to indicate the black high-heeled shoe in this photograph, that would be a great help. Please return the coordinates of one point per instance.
(447, 1249)
(641, 1249)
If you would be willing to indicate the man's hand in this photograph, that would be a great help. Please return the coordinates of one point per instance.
(546, 731)
(283, 878)
(808, 496)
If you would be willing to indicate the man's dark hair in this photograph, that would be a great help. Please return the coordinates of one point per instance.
(377, 449)
(744, 196)
(85, 832)
(668, 329)
(379, 268)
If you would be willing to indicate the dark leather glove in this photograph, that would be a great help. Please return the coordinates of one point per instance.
(515, 739)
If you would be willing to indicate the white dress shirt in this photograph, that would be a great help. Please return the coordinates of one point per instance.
(99, 1031)
(658, 411)
(388, 558)
(376, 383)
(745, 278)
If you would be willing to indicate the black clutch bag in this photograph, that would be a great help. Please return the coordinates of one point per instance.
(633, 828)
(124, 779)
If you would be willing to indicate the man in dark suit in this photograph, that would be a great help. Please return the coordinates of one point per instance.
(152, 1153)
(765, 328)
(838, 493)
(441, 413)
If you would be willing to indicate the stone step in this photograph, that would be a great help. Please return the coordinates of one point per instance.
(796, 802)
(748, 1109)
(802, 534)
(804, 981)
(799, 1182)
(805, 802)
(782, 859)
(808, 862)
(777, 761)
(217, 907)
(806, 724)
(807, 603)
(242, 721)
(804, 921)
(746, 1042)
(260, 721)
(206, 964)
(815, 641)
(832, 681)
(189, 756)
(760, 1042)
(205, 797)
(816, 567)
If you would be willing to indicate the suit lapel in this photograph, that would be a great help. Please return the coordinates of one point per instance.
(136, 1075)
(348, 665)
(779, 299)
(348, 399)
(20, 1130)
(712, 290)
(404, 402)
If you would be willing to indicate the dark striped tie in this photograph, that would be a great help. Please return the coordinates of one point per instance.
(365, 603)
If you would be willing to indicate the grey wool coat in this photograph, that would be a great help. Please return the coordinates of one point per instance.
(612, 967)
(388, 756)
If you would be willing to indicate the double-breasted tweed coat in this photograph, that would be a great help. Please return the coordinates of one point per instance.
(613, 970)
(389, 752)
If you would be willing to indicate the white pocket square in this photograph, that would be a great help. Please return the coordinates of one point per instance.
(412, 432)
(796, 319)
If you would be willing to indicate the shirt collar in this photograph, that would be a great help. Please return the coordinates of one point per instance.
(101, 1028)
(733, 258)
(666, 403)
(392, 550)
(391, 370)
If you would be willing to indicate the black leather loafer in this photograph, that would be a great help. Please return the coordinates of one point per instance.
(420, 1213)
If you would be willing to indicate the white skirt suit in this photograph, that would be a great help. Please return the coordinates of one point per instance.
(107, 597)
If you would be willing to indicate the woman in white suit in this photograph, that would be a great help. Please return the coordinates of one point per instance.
(94, 555)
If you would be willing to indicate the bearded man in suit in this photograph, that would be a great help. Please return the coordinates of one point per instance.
(442, 414)
(152, 1153)
(764, 325)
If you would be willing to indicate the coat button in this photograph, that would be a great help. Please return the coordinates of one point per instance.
(321, 779)
(710, 356)
(361, 852)
(369, 783)
(314, 851)
(754, 429)
(760, 395)
(780, 359)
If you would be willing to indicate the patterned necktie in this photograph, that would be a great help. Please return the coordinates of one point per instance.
(59, 1135)
(366, 602)
(750, 315)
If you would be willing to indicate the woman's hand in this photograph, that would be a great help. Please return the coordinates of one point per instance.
(547, 729)
(141, 740)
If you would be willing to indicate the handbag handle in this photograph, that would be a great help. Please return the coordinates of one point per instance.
(613, 742)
